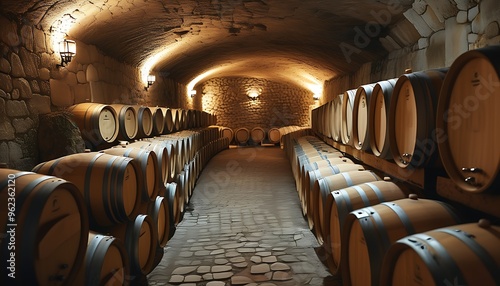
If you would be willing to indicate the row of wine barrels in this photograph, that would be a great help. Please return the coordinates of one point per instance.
(46, 226)
(411, 118)
(101, 124)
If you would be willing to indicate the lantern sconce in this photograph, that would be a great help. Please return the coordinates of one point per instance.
(67, 50)
(192, 93)
(316, 96)
(151, 79)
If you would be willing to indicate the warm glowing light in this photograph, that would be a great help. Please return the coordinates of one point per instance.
(60, 29)
(67, 50)
(151, 79)
(316, 96)
(192, 93)
(253, 95)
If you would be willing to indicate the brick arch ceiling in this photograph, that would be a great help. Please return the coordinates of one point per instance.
(292, 41)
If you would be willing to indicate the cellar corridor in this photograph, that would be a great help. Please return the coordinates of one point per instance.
(243, 224)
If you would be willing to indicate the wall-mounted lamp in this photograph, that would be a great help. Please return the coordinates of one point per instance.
(253, 95)
(151, 79)
(192, 92)
(316, 96)
(67, 50)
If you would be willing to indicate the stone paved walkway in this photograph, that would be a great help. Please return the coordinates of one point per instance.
(243, 226)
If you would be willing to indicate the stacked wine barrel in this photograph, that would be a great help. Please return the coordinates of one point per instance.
(103, 218)
(258, 135)
(440, 118)
(103, 125)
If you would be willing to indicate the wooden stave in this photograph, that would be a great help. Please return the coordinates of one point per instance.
(386, 87)
(365, 90)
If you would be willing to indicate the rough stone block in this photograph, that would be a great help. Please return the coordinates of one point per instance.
(22, 125)
(8, 32)
(432, 20)
(61, 94)
(492, 30)
(4, 149)
(44, 73)
(472, 38)
(15, 151)
(71, 78)
(444, 9)
(465, 4)
(5, 82)
(92, 74)
(5, 66)
(16, 108)
(39, 104)
(456, 40)
(472, 13)
(30, 62)
(81, 92)
(423, 43)
(23, 86)
(40, 45)
(462, 17)
(420, 6)
(81, 77)
(17, 66)
(27, 37)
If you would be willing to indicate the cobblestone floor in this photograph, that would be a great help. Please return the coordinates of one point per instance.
(243, 226)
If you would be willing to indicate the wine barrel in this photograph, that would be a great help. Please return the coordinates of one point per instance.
(110, 184)
(346, 116)
(144, 121)
(360, 118)
(378, 114)
(106, 262)
(45, 224)
(160, 214)
(241, 135)
(140, 239)
(344, 201)
(327, 111)
(148, 165)
(257, 134)
(369, 232)
(412, 120)
(457, 255)
(175, 202)
(169, 120)
(467, 113)
(322, 189)
(163, 153)
(127, 121)
(98, 123)
(274, 135)
(158, 120)
(336, 117)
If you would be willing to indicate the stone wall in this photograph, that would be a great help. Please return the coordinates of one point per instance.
(278, 104)
(31, 84)
(446, 29)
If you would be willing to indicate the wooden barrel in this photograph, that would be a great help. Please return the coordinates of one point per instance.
(159, 212)
(144, 121)
(110, 185)
(336, 117)
(175, 202)
(140, 239)
(322, 189)
(257, 134)
(158, 120)
(274, 135)
(163, 153)
(360, 118)
(327, 111)
(106, 262)
(378, 114)
(241, 135)
(412, 120)
(457, 255)
(370, 231)
(169, 120)
(45, 227)
(127, 121)
(346, 116)
(98, 123)
(148, 165)
(344, 201)
(467, 113)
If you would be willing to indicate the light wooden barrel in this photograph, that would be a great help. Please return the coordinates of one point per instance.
(98, 123)
(336, 117)
(257, 134)
(110, 185)
(378, 114)
(241, 135)
(106, 262)
(344, 201)
(127, 121)
(274, 135)
(457, 255)
(370, 231)
(160, 214)
(360, 117)
(175, 119)
(346, 116)
(322, 189)
(304, 164)
(163, 153)
(148, 165)
(412, 120)
(326, 118)
(467, 114)
(140, 239)
(45, 224)
(169, 120)
(158, 120)
(144, 120)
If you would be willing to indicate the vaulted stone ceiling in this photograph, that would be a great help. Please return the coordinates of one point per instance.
(293, 41)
